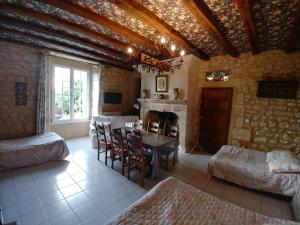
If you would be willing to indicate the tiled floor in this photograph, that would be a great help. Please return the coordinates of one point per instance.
(84, 191)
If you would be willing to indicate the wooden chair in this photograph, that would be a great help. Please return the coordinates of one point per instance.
(153, 126)
(102, 140)
(118, 149)
(166, 151)
(136, 155)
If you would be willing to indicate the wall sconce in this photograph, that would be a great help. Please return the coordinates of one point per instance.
(222, 75)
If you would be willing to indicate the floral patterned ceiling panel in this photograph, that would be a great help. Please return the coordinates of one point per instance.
(74, 19)
(187, 26)
(274, 21)
(118, 15)
(55, 38)
(228, 15)
(53, 27)
(31, 41)
(177, 16)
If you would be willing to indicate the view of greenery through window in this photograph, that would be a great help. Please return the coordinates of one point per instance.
(70, 94)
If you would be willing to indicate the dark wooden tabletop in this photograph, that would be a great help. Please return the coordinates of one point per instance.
(156, 140)
(152, 140)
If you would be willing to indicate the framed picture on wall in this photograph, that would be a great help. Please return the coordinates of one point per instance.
(161, 83)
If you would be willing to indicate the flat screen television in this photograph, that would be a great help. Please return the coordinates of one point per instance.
(113, 98)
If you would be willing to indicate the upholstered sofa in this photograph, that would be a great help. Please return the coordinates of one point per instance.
(114, 121)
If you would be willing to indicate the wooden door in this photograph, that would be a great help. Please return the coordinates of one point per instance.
(215, 118)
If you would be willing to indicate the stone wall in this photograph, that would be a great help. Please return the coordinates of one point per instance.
(17, 64)
(259, 123)
(121, 81)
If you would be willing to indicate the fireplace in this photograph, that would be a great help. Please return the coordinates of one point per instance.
(164, 119)
(173, 112)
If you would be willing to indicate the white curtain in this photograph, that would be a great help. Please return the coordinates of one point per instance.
(41, 98)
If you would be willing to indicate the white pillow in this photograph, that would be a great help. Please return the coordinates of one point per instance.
(278, 154)
(283, 162)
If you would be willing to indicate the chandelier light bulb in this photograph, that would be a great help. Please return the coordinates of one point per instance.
(182, 53)
(162, 40)
(173, 47)
(130, 50)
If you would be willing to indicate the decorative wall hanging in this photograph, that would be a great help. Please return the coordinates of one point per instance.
(221, 75)
(284, 89)
(21, 93)
(161, 83)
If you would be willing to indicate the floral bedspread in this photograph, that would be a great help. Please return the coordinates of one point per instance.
(249, 168)
(175, 202)
(32, 150)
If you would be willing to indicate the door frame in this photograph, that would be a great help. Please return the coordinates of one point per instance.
(230, 113)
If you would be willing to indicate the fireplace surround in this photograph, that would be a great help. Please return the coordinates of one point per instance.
(167, 110)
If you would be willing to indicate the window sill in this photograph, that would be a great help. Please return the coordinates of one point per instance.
(70, 122)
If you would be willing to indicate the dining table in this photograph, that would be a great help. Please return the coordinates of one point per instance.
(154, 142)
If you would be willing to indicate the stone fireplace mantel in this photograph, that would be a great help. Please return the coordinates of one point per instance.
(179, 107)
(162, 101)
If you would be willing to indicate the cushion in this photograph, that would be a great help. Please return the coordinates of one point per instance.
(116, 122)
(283, 162)
(130, 119)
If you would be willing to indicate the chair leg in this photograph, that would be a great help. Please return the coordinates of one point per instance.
(123, 164)
(174, 158)
(142, 176)
(167, 162)
(105, 156)
(128, 174)
(112, 160)
(98, 152)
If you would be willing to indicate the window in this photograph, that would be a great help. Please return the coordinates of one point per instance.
(70, 94)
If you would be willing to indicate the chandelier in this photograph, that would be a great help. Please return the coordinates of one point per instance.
(152, 64)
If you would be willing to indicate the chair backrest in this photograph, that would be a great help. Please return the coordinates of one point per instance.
(116, 138)
(135, 144)
(138, 125)
(153, 126)
(171, 131)
(100, 131)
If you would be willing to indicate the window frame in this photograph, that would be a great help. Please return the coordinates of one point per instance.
(52, 94)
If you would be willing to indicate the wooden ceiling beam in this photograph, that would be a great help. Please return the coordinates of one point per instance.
(79, 53)
(205, 17)
(295, 31)
(50, 40)
(69, 6)
(143, 14)
(62, 34)
(245, 8)
(6, 7)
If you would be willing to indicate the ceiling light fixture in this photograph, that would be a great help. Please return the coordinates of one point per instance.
(152, 64)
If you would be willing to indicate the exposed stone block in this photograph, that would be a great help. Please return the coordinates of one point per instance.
(260, 139)
(239, 110)
(241, 134)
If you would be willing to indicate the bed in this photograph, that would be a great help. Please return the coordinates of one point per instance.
(32, 150)
(175, 202)
(249, 168)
